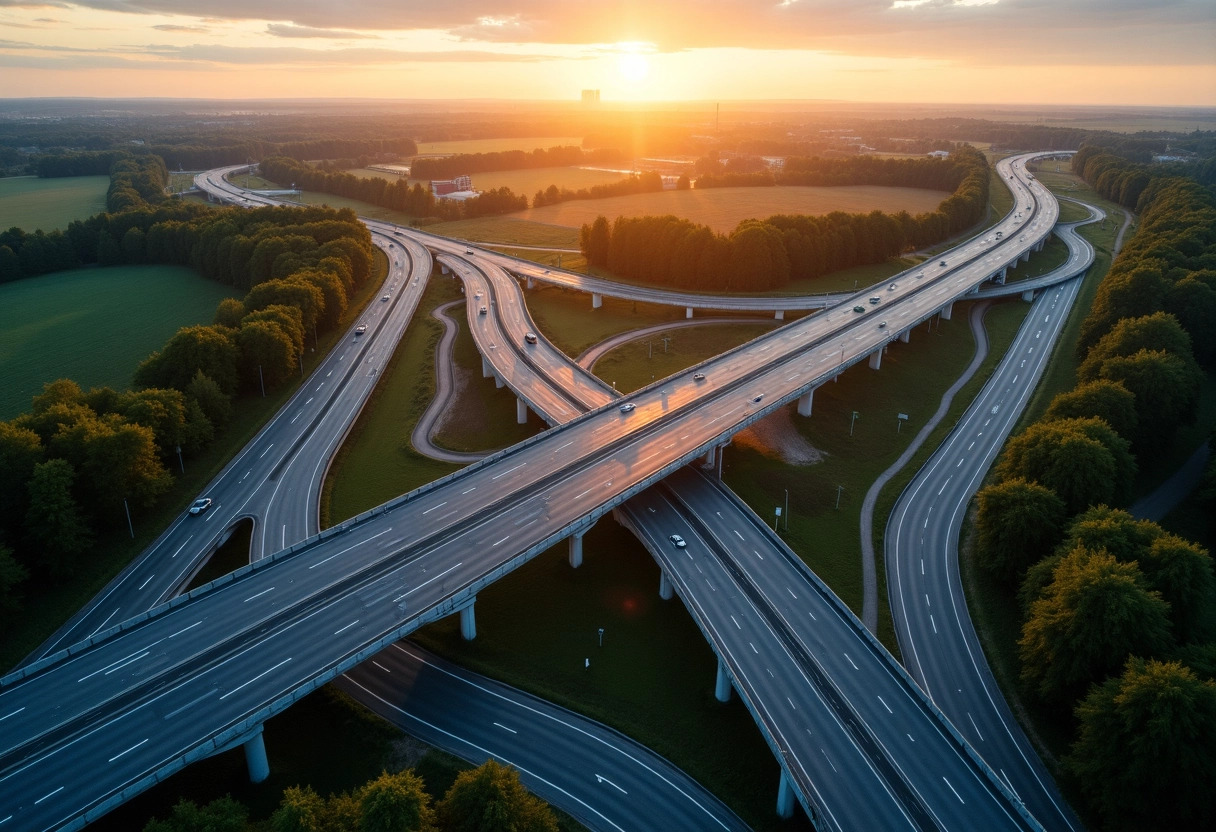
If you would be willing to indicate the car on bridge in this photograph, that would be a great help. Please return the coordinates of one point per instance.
(627, 407)
(677, 541)
(859, 308)
(482, 311)
(698, 376)
(876, 299)
(200, 505)
(530, 337)
(360, 329)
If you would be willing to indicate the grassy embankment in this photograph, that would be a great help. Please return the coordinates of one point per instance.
(48, 608)
(93, 325)
(30, 203)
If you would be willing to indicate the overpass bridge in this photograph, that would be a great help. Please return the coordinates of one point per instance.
(194, 650)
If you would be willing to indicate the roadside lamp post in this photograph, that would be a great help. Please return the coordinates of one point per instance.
(601, 636)
(179, 459)
(852, 421)
(839, 488)
(261, 381)
(130, 525)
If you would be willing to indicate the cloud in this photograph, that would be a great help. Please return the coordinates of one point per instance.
(173, 27)
(1175, 32)
(346, 58)
(286, 30)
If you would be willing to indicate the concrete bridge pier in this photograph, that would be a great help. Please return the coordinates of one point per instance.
(805, 401)
(468, 620)
(876, 358)
(529, 283)
(255, 757)
(1039, 245)
(444, 269)
(1025, 256)
(666, 590)
(905, 336)
(576, 550)
(486, 369)
(521, 411)
(722, 683)
(687, 311)
(498, 382)
(1028, 295)
(711, 456)
(947, 310)
(785, 796)
(779, 315)
(597, 300)
(999, 278)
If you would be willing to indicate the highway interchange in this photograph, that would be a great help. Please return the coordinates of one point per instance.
(632, 450)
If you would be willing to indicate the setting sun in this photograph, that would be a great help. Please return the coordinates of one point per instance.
(634, 67)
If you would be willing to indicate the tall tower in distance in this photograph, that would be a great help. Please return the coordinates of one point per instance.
(591, 98)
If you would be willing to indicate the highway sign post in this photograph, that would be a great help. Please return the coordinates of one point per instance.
(900, 418)
(601, 636)
(851, 421)
(778, 517)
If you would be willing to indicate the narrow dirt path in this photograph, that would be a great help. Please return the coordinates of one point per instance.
(445, 387)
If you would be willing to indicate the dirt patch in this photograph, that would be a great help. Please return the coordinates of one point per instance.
(776, 437)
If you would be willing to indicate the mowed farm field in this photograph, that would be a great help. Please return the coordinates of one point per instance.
(723, 208)
(93, 325)
(30, 203)
(498, 145)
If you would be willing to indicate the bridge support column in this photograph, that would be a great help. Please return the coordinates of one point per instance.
(576, 550)
(785, 796)
(687, 311)
(876, 358)
(529, 283)
(255, 757)
(722, 683)
(521, 411)
(1028, 295)
(468, 621)
(905, 336)
(1025, 256)
(779, 315)
(1039, 245)
(710, 456)
(486, 369)
(947, 310)
(998, 278)
(444, 269)
(666, 590)
(805, 401)
(498, 382)
(597, 300)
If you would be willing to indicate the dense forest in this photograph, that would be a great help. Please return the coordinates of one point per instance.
(72, 460)
(1119, 615)
(396, 195)
(762, 255)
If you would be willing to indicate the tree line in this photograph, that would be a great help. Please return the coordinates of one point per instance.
(203, 156)
(761, 255)
(1119, 615)
(447, 167)
(397, 195)
(646, 182)
(71, 461)
(489, 798)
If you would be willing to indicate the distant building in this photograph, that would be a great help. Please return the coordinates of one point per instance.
(447, 187)
(591, 96)
(939, 154)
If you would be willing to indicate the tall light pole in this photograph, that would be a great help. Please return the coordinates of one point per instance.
(839, 488)
(852, 421)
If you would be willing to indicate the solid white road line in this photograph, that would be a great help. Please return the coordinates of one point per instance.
(255, 678)
(128, 751)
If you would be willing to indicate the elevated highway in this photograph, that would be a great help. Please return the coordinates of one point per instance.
(445, 546)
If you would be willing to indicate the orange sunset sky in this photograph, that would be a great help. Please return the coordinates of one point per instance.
(1018, 51)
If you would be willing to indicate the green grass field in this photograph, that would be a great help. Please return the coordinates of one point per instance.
(93, 325)
(567, 319)
(724, 208)
(31, 203)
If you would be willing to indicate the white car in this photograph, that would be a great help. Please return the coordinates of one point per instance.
(677, 541)
(200, 505)
(627, 407)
